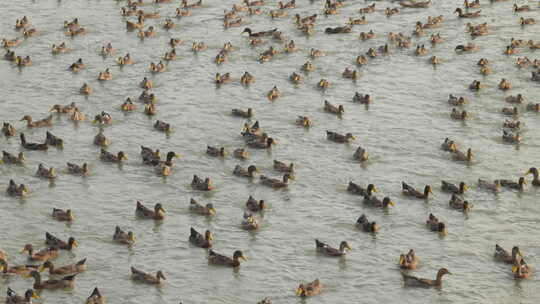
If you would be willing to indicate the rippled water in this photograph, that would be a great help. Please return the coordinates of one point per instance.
(402, 131)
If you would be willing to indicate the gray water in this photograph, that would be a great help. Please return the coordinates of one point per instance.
(402, 131)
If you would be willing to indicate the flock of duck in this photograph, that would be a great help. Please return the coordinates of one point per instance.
(255, 138)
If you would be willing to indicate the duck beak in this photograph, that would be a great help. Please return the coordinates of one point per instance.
(41, 268)
(514, 268)
(243, 257)
(391, 204)
(348, 247)
(374, 189)
(449, 273)
(35, 295)
(528, 172)
(298, 291)
(75, 244)
(24, 250)
(211, 237)
(465, 188)
(212, 211)
(401, 260)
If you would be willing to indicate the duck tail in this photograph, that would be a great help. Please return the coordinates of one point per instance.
(69, 278)
(81, 262)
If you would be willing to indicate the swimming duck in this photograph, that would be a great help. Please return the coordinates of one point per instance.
(535, 76)
(512, 124)
(44, 254)
(170, 55)
(364, 224)
(338, 30)
(512, 184)
(10, 56)
(75, 32)
(526, 21)
(85, 89)
(150, 109)
(146, 84)
(68, 269)
(419, 282)
(221, 79)
(533, 45)
(354, 188)
(249, 222)
(199, 240)
(217, 152)
(201, 185)
(361, 98)
(373, 201)
(283, 167)
(250, 172)
(307, 67)
(14, 298)
(220, 58)
(16, 190)
(510, 50)
(241, 154)
(434, 224)
(268, 54)
(411, 4)
(391, 11)
(197, 4)
(241, 113)
(330, 108)
(17, 269)
(330, 251)
(534, 107)
(69, 108)
(96, 298)
(420, 50)
(459, 204)
(434, 60)
(451, 188)
(157, 68)
(198, 46)
(246, 78)
(521, 270)
(264, 143)
(469, 47)
(100, 139)
(218, 259)
(368, 9)
(103, 118)
(515, 99)
(7, 43)
(502, 255)
(295, 78)
(467, 15)
(29, 32)
(339, 138)
(408, 261)
(121, 237)
(510, 111)
(57, 49)
(361, 154)
(303, 121)
(55, 242)
(259, 34)
(32, 146)
(493, 186)
(534, 172)
(485, 70)
(143, 277)
(371, 53)
(109, 157)
(410, 191)
(255, 206)
(510, 137)
(62, 216)
(436, 38)
(455, 101)
(275, 183)
(44, 172)
(65, 282)
(8, 129)
(290, 47)
(128, 105)
(162, 126)
(227, 23)
(107, 50)
(9, 158)
(145, 213)
(309, 289)
(505, 85)
(47, 121)
(350, 74)
(461, 156)
(472, 4)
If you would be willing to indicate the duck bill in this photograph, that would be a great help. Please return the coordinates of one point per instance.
(41, 268)
(348, 247)
(24, 250)
(514, 269)
(35, 295)
(212, 211)
(299, 291)
(243, 257)
(391, 204)
(401, 260)
(374, 189)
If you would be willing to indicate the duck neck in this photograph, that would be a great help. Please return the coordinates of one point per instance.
(37, 279)
(438, 280)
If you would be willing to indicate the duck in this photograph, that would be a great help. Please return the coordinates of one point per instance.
(456, 101)
(221, 79)
(144, 212)
(534, 172)
(157, 68)
(63, 215)
(410, 191)
(220, 58)
(472, 4)
(241, 172)
(331, 251)
(14, 298)
(65, 282)
(104, 76)
(60, 109)
(128, 105)
(330, 108)
(107, 50)
(17, 269)
(521, 270)
(519, 185)
(162, 126)
(338, 30)
(44, 254)
(86, 89)
(103, 118)
(511, 138)
(368, 9)
(17, 190)
(218, 259)
(259, 34)
(126, 60)
(505, 85)
(29, 33)
(373, 201)
(436, 38)
(283, 167)
(9, 158)
(275, 183)
(61, 48)
(339, 138)
(296, 78)
(461, 156)
(512, 124)
(198, 47)
(169, 24)
(350, 74)
(32, 146)
(361, 154)
(76, 32)
(150, 32)
(247, 78)
(78, 267)
(492, 186)
(150, 109)
(201, 185)
(362, 98)
(249, 222)
(242, 113)
(307, 67)
(534, 107)
(146, 83)
(216, 152)
(434, 60)
(121, 237)
(241, 154)
(266, 144)
(274, 94)
(55, 242)
(434, 224)
(199, 240)
(510, 111)
(143, 277)
(451, 188)
(10, 55)
(515, 99)
(197, 4)
(100, 139)
(364, 224)
(8, 43)
(309, 289)
(456, 115)
(255, 206)
(96, 297)
(459, 204)
(303, 121)
(391, 11)
(413, 281)
(45, 172)
(227, 23)
(290, 47)
(461, 14)
(408, 261)
(170, 55)
(30, 123)
(504, 256)
(526, 21)
(420, 50)
(356, 189)
(109, 157)
(469, 47)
